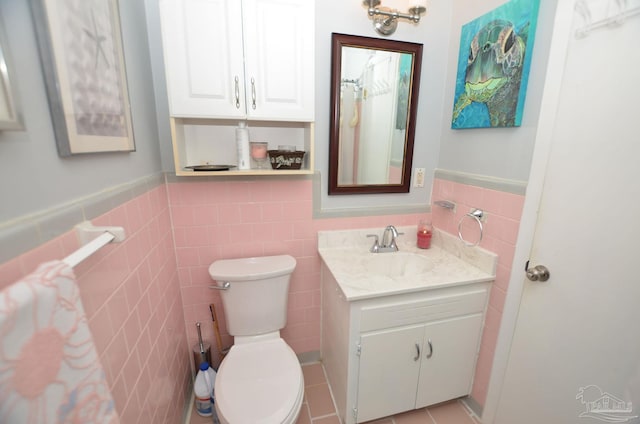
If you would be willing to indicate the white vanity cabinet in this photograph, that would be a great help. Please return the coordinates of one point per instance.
(389, 354)
(239, 59)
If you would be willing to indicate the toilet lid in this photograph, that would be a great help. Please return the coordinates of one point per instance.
(258, 383)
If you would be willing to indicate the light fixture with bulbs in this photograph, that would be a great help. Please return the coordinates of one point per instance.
(385, 19)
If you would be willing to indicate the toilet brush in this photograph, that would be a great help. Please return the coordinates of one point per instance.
(201, 350)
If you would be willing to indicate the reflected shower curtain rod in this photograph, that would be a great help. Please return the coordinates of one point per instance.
(616, 19)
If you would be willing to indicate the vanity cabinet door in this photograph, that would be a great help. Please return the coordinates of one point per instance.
(448, 359)
(203, 54)
(388, 372)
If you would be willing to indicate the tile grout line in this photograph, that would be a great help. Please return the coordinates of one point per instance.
(469, 411)
(308, 413)
(324, 416)
(431, 416)
(335, 409)
(321, 417)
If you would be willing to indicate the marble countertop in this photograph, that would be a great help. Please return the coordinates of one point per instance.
(362, 275)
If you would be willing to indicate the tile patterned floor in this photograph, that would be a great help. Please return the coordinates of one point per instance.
(318, 407)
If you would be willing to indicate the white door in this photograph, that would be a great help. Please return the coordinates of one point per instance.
(575, 353)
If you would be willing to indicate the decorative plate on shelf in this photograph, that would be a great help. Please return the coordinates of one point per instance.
(210, 167)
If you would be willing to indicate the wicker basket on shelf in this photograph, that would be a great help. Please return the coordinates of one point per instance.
(282, 159)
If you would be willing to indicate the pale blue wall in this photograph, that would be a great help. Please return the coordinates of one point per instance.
(351, 18)
(497, 152)
(502, 153)
(32, 175)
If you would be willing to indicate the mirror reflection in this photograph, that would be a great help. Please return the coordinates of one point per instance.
(9, 119)
(375, 88)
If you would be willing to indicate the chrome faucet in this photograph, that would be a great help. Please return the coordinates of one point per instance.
(388, 241)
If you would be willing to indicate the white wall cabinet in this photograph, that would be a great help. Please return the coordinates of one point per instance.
(396, 353)
(232, 59)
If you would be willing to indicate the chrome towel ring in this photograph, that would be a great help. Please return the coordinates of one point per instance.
(476, 214)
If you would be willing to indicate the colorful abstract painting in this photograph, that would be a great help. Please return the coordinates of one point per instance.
(493, 66)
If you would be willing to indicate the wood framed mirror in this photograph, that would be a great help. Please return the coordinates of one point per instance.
(374, 97)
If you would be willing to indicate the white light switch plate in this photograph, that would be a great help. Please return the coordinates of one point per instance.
(418, 177)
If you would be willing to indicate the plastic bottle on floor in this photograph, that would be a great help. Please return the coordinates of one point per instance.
(203, 390)
(210, 379)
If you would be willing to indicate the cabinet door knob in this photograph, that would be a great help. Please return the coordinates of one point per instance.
(237, 92)
(253, 93)
(415, 358)
(430, 354)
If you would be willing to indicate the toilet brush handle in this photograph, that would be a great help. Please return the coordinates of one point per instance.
(216, 331)
(200, 342)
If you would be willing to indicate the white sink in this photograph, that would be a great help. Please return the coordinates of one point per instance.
(362, 275)
(393, 264)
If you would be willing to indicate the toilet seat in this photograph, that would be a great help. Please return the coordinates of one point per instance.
(259, 382)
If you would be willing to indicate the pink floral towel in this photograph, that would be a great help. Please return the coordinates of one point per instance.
(49, 368)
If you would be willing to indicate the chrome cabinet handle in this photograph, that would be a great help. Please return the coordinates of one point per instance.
(430, 349)
(225, 286)
(253, 93)
(415, 358)
(237, 92)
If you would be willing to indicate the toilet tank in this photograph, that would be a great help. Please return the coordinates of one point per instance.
(256, 301)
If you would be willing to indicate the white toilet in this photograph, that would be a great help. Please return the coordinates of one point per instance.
(260, 380)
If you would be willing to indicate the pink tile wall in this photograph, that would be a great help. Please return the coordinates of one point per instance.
(500, 233)
(230, 219)
(132, 298)
(140, 294)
